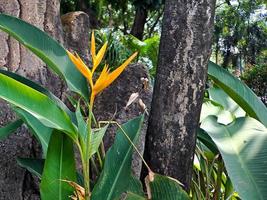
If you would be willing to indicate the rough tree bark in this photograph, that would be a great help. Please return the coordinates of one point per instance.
(16, 183)
(185, 49)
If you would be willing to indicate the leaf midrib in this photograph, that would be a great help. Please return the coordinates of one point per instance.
(117, 176)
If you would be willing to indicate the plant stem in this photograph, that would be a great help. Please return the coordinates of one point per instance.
(86, 167)
(219, 179)
(99, 159)
(103, 154)
(83, 159)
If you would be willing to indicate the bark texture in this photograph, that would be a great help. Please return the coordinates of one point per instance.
(15, 182)
(76, 27)
(179, 87)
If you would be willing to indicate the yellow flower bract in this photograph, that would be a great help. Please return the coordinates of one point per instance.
(106, 77)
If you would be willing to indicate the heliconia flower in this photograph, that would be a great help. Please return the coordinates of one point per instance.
(81, 66)
(97, 58)
(106, 77)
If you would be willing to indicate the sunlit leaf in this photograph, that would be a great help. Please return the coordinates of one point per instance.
(37, 104)
(242, 145)
(239, 92)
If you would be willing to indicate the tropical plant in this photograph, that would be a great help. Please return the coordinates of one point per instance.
(148, 50)
(59, 131)
(230, 155)
(230, 152)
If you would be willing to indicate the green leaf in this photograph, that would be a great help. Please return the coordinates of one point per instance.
(242, 145)
(35, 166)
(162, 187)
(132, 196)
(37, 104)
(209, 107)
(229, 190)
(47, 49)
(116, 174)
(135, 186)
(96, 139)
(97, 134)
(10, 128)
(207, 141)
(239, 92)
(59, 167)
(41, 89)
(41, 132)
(218, 95)
(82, 126)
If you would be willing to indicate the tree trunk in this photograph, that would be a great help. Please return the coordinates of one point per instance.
(15, 182)
(185, 48)
(139, 22)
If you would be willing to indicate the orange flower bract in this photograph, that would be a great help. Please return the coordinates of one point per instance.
(106, 77)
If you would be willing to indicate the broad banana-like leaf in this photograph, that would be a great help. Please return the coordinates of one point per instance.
(219, 96)
(116, 174)
(41, 132)
(82, 126)
(59, 168)
(242, 145)
(132, 196)
(135, 186)
(239, 92)
(37, 104)
(97, 134)
(207, 141)
(35, 166)
(41, 89)
(10, 128)
(96, 139)
(162, 187)
(210, 107)
(135, 189)
(47, 49)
